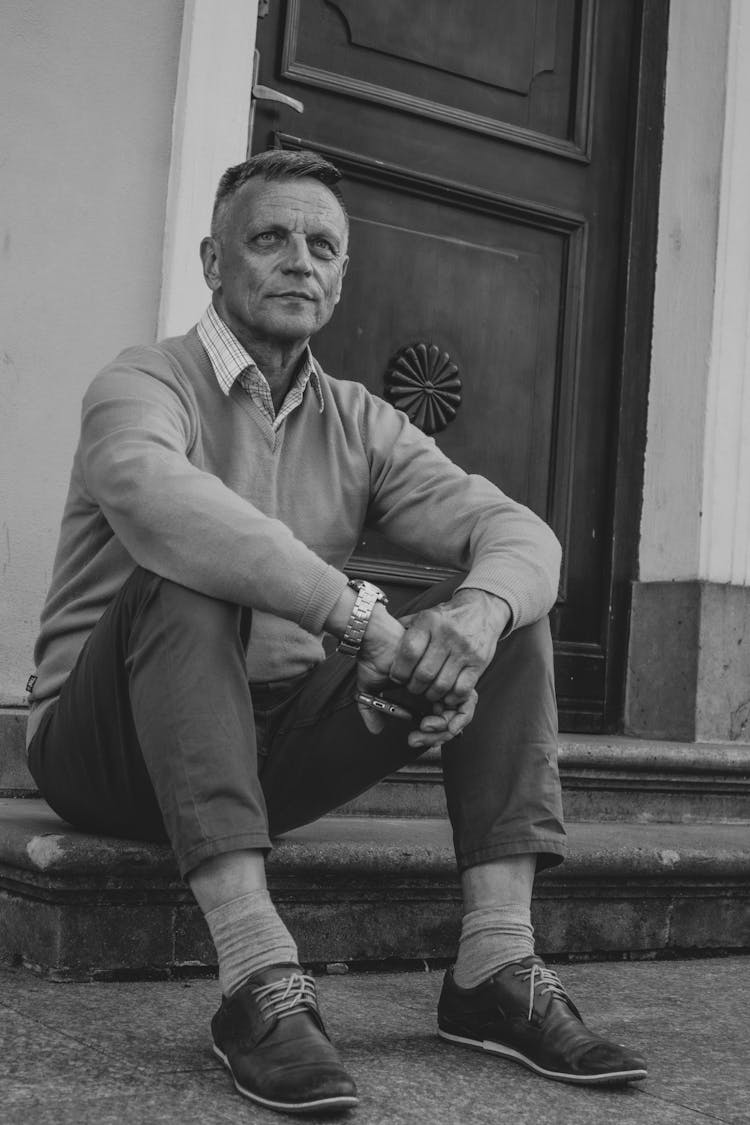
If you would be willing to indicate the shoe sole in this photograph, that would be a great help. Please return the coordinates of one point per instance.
(320, 1105)
(615, 1077)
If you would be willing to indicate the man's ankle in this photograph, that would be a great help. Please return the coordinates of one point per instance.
(225, 877)
(491, 939)
(249, 936)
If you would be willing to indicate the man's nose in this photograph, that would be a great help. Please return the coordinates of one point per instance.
(298, 258)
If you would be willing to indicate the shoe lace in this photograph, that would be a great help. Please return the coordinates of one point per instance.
(539, 976)
(287, 996)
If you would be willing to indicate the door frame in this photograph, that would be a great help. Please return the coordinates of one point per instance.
(215, 72)
(637, 285)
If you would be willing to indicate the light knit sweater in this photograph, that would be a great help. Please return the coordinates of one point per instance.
(172, 475)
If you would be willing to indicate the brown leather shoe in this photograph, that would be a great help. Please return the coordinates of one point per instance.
(524, 1013)
(270, 1036)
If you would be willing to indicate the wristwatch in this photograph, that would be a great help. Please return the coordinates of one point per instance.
(367, 596)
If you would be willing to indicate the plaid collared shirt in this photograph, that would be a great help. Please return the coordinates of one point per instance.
(231, 363)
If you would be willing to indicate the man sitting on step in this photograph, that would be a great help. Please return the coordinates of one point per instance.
(221, 482)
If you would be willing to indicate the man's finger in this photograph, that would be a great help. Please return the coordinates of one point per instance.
(463, 688)
(426, 673)
(454, 722)
(432, 723)
(425, 739)
(371, 681)
(443, 685)
(464, 714)
(414, 644)
(374, 722)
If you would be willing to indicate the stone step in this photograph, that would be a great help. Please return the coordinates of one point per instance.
(361, 890)
(15, 779)
(604, 779)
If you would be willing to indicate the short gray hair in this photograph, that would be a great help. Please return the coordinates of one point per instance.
(275, 164)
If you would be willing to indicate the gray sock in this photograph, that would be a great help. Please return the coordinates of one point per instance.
(249, 936)
(492, 938)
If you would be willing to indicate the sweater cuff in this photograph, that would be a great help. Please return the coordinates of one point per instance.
(323, 597)
(527, 605)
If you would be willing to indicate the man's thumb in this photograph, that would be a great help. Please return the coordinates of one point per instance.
(372, 720)
(370, 682)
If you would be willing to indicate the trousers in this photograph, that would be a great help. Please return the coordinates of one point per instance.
(157, 735)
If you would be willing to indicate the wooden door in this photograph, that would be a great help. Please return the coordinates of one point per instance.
(486, 155)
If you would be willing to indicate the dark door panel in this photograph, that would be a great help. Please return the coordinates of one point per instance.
(485, 149)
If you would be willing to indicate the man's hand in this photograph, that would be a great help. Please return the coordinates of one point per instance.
(442, 653)
(446, 649)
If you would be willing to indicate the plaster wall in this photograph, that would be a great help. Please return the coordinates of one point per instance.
(210, 132)
(725, 539)
(86, 97)
(671, 530)
(689, 657)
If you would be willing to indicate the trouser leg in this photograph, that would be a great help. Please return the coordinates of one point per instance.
(153, 735)
(501, 777)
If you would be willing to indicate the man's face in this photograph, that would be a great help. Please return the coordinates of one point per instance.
(278, 263)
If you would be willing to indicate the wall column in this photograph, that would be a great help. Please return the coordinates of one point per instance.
(209, 133)
(689, 663)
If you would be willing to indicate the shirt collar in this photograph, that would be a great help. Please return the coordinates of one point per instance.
(229, 359)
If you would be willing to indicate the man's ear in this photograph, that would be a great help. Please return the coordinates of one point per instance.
(344, 265)
(210, 259)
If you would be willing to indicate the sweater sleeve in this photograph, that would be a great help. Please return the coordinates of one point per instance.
(421, 500)
(179, 521)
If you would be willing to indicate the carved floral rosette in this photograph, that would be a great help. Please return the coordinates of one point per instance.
(424, 382)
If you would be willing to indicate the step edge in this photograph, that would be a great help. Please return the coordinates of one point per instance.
(628, 848)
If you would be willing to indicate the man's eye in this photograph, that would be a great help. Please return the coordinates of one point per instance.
(267, 236)
(323, 246)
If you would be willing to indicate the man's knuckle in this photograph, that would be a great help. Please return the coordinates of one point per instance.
(413, 642)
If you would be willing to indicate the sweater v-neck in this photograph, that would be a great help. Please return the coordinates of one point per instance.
(272, 437)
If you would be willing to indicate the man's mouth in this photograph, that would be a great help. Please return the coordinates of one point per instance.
(297, 294)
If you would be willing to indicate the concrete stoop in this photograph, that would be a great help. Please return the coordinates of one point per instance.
(659, 863)
(359, 889)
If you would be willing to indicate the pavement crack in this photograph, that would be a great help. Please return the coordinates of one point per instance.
(54, 1029)
(690, 1109)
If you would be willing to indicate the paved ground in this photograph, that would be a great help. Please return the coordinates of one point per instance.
(138, 1053)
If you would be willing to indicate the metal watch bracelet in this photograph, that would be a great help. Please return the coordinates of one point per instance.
(368, 596)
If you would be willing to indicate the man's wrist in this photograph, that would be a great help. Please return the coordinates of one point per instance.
(494, 607)
(383, 634)
(337, 619)
(367, 597)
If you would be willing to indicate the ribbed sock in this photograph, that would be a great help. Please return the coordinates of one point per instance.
(490, 939)
(249, 936)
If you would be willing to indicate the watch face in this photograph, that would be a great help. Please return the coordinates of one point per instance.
(360, 584)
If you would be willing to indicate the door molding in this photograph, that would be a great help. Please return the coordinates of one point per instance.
(638, 283)
(576, 149)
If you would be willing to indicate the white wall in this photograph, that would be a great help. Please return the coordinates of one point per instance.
(211, 115)
(86, 98)
(696, 503)
(725, 538)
